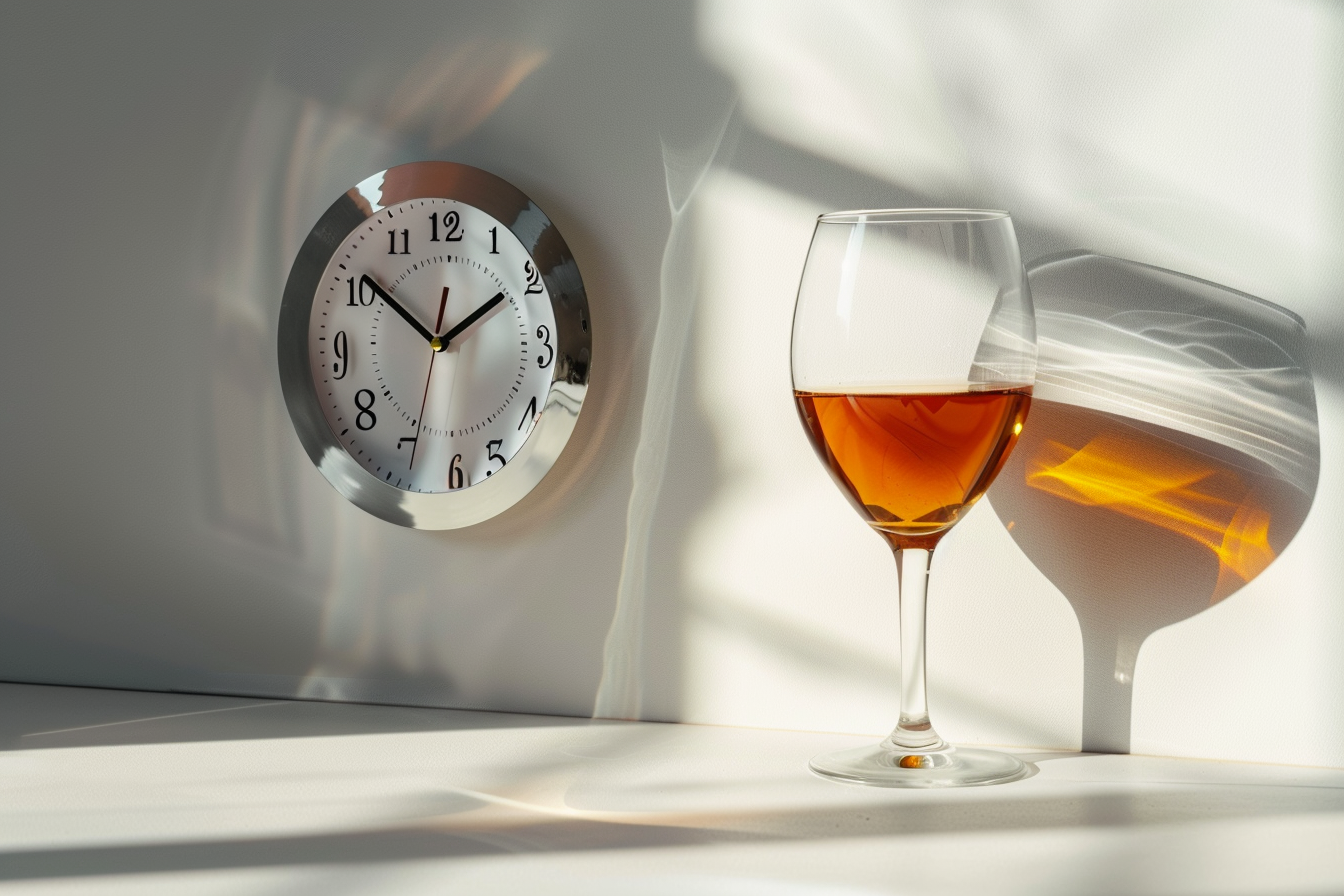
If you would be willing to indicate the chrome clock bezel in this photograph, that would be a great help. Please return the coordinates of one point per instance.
(569, 374)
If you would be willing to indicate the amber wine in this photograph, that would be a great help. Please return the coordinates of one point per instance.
(913, 464)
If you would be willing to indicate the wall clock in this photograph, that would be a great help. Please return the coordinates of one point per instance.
(434, 345)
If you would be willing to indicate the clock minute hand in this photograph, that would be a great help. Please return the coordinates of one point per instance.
(471, 322)
(395, 306)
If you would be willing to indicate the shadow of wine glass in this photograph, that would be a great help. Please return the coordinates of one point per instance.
(1170, 455)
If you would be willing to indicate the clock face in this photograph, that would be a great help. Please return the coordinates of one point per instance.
(434, 345)
(430, 343)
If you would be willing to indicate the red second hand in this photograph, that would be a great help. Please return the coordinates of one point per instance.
(420, 421)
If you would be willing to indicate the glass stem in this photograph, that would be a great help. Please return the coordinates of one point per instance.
(913, 731)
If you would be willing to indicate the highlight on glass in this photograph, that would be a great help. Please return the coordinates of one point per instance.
(913, 358)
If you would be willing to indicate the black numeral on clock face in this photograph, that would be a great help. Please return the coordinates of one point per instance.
(545, 336)
(350, 282)
(392, 243)
(341, 348)
(529, 413)
(366, 419)
(490, 448)
(451, 222)
(533, 278)
(455, 478)
(494, 240)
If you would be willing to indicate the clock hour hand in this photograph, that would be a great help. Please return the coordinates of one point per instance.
(472, 322)
(392, 303)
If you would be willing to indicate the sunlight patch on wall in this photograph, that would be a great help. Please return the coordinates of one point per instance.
(1200, 137)
(849, 81)
(778, 565)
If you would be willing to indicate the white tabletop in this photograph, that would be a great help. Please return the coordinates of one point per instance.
(118, 791)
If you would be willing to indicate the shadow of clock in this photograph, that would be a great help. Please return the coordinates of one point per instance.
(1170, 456)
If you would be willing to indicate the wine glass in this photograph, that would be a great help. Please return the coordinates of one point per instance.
(914, 356)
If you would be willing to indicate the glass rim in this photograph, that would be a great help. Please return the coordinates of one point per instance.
(912, 216)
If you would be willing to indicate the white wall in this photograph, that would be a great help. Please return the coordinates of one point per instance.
(688, 559)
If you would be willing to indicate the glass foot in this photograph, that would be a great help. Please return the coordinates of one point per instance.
(950, 767)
